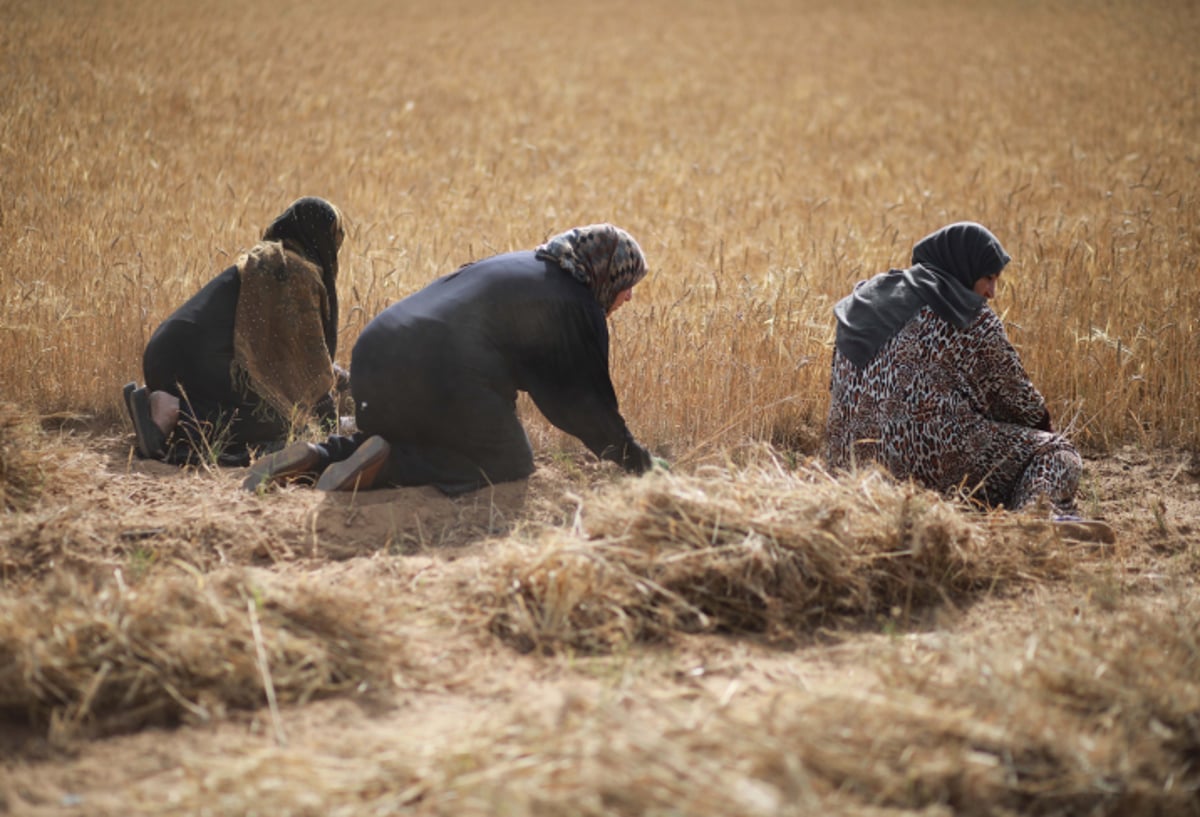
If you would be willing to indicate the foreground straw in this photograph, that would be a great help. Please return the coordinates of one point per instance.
(1071, 716)
(179, 647)
(762, 548)
(22, 473)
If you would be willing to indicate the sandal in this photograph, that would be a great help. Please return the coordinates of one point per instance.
(358, 472)
(297, 460)
(150, 438)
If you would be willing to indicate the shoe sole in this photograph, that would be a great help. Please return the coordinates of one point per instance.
(294, 461)
(127, 392)
(359, 471)
(150, 438)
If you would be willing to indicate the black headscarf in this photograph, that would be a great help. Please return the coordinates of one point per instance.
(313, 227)
(945, 266)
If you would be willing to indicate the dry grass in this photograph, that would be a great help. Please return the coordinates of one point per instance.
(74, 520)
(743, 635)
(1078, 717)
(766, 155)
(179, 647)
(754, 549)
(1083, 719)
(21, 474)
(1078, 708)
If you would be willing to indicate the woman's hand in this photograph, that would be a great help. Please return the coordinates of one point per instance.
(341, 379)
(1044, 423)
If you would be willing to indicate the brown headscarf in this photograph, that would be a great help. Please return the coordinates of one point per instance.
(602, 257)
(285, 327)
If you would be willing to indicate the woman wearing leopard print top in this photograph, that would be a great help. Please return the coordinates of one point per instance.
(925, 382)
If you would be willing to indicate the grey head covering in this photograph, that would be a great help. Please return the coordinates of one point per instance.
(945, 266)
(602, 257)
(313, 227)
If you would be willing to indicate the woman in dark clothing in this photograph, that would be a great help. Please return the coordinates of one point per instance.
(436, 375)
(250, 355)
(926, 383)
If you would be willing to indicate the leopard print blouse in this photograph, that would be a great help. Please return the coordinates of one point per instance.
(954, 410)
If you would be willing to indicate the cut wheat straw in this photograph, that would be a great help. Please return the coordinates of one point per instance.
(76, 659)
(762, 548)
(1071, 717)
(22, 471)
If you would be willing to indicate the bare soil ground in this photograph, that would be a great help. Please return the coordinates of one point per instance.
(419, 561)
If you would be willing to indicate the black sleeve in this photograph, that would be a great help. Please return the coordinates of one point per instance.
(567, 377)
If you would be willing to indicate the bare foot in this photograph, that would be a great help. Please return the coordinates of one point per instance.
(164, 410)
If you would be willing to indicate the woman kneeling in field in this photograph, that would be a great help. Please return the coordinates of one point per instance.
(926, 383)
(249, 356)
(435, 376)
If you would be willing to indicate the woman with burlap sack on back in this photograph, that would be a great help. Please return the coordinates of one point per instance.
(250, 356)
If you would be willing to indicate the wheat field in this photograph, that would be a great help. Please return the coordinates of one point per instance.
(767, 155)
(744, 634)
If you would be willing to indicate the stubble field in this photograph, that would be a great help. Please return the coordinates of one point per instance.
(747, 634)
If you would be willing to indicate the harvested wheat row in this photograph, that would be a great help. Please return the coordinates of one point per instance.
(180, 646)
(762, 548)
(1076, 716)
(1079, 717)
(22, 471)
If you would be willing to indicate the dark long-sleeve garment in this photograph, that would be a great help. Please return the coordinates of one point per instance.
(190, 355)
(437, 374)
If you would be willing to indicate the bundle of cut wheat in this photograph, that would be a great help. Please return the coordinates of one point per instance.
(760, 548)
(180, 646)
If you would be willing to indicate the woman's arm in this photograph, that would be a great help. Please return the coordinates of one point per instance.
(569, 382)
(1007, 392)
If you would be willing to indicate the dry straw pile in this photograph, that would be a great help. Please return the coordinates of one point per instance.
(1079, 717)
(759, 548)
(1084, 718)
(178, 647)
(67, 511)
(21, 470)
(767, 155)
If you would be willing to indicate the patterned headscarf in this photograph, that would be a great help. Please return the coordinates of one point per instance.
(945, 266)
(602, 257)
(313, 226)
